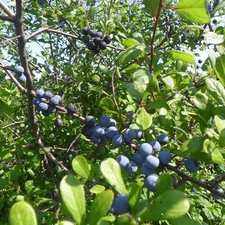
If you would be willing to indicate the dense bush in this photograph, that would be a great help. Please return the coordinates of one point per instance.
(112, 112)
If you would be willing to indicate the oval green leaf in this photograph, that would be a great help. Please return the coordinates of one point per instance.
(194, 11)
(144, 119)
(129, 54)
(72, 193)
(134, 194)
(22, 213)
(220, 68)
(81, 166)
(97, 189)
(170, 205)
(183, 56)
(111, 171)
(100, 206)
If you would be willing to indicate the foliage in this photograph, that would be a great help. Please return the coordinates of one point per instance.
(165, 64)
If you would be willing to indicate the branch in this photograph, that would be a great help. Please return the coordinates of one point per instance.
(7, 10)
(7, 18)
(15, 123)
(199, 183)
(52, 31)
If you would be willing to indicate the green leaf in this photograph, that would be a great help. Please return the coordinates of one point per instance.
(125, 219)
(134, 194)
(97, 189)
(213, 38)
(170, 205)
(152, 6)
(220, 68)
(72, 193)
(129, 54)
(135, 90)
(68, 2)
(183, 56)
(213, 152)
(142, 76)
(194, 11)
(164, 183)
(81, 167)
(64, 222)
(169, 81)
(130, 42)
(144, 119)
(5, 109)
(184, 221)
(200, 100)
(111, 171)
(216, 89)
(107, 104)
(22, 213)
(100, 206)
(220, 123)
(141, 207)
(193, 145)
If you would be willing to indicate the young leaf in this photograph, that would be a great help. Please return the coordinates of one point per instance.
(170, 205)
(81, 167)
(129, 54)
(164, 183)
(194, 11)
(144, 119)
(220, 68)
(125, 219)
(134, 194)
(220, 123)
(97, 189)
(183, 56)
(111, 171)
(107, 104)
(193, 145)
(64, 222)
(216, 89)
(100, 206)
(72, 193)
(213, 38)
(22, 213)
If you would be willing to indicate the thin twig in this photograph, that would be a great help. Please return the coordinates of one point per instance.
(7, 10)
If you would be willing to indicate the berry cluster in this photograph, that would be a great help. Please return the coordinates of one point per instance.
(97, 43)
(49, 105)
(19, 70)
(106, 130)
(148, 161)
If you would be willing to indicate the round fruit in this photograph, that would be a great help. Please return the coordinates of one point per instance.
(19, 70)
(40, 93)
(85, 39)
(112, 122)
(51, 109)
(97, 40)
(99, 34)
(165, 157)
(118, 140)
(152, 162)
(111, 132)
(145, 149)
(54, 101)
(41, 2)
(121, 204)
(163, 139)
(129, 135)
(139, 134)
(145, 170)
(122, 160)
(155, 145)
(58, 122)
(59, 98)
(130, 115)
(36, 101)
(138, 158)
(107, 39)
(87, 131)
(104, 121)
(92, 33)
(90, 45)
(47, 95)
(98, 131)
(103, 45)
(97, 140)
(199, 61)
(192, 165)
(131, 167)
(85, 31)
(42, 106)
(21, 78)
(89, 121)
(215, 195)
(150, 182)
(71, 109)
